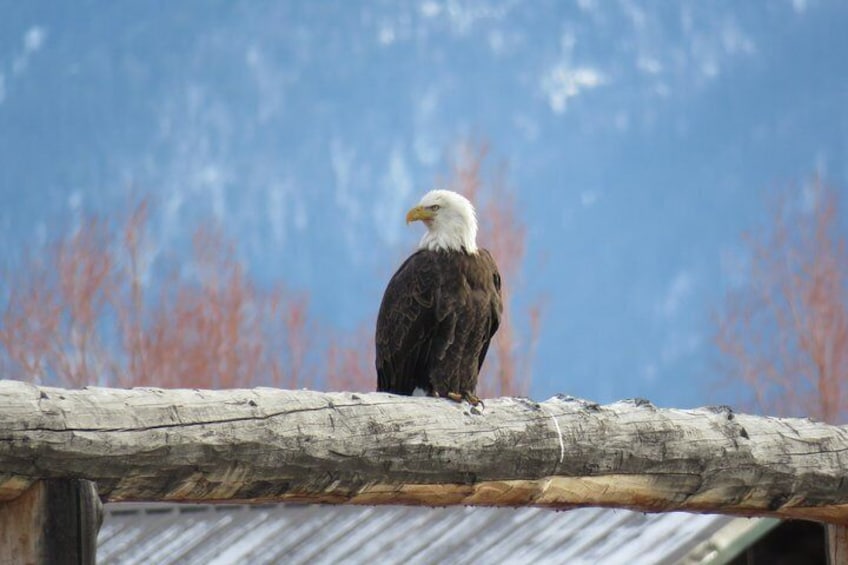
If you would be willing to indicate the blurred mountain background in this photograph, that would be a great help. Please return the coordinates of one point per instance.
(639, 140)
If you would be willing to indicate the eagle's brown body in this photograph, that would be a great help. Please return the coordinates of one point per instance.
(439, 312)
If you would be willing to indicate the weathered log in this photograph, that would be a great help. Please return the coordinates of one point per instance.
(375, 448)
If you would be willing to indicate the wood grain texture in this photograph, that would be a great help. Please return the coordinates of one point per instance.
(837, 544)
(52, 522)
(21, 523)
(278, 445)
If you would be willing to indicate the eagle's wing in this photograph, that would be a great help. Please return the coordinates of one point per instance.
(406, 325)
(495, 302)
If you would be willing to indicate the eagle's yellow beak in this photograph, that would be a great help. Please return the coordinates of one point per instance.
(419, 213)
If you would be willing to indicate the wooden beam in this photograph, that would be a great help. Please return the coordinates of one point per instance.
(278, 445)
(53, 521)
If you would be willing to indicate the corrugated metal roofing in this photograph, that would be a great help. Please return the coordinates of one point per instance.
(285, 533)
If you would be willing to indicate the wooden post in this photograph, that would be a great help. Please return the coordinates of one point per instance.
(837, 544)
(54, 521)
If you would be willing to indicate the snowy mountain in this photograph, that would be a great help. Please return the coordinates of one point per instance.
(642, 138)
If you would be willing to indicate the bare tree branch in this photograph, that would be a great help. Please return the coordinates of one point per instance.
(784, 334)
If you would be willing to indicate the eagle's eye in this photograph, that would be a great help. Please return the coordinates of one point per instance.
(434, 207)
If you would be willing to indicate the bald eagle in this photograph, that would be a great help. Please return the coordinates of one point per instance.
(441, 308)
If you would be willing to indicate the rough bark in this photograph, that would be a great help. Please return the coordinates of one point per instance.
(268, 444)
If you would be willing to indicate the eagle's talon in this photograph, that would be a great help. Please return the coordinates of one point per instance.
(473, 399)
(467, 396)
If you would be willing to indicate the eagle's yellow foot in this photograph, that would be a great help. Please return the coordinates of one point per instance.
(469, 397)
(472, 399)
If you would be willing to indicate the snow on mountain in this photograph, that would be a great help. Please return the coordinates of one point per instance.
(641, 137)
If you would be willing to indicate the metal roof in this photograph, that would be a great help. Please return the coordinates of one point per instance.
(287, 533)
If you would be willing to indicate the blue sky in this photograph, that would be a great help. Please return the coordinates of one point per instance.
(642, 138)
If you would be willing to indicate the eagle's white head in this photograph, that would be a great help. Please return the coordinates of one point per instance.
(450, 220)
